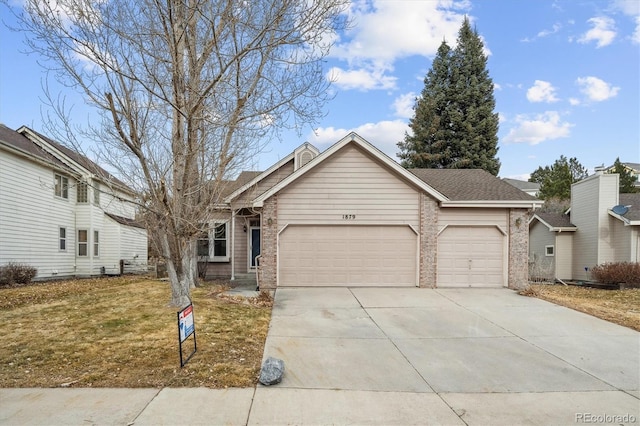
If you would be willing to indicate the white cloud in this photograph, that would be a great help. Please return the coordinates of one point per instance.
(603, 31)
(361, 79)
(596, 90)
(384, 135)
(574, 101)
(542, 127)
(544, 33)
(403, 105)
(636, 34)
(629, 7)
(385, 31)
(542, 91)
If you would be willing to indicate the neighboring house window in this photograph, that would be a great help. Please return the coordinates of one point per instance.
(62, 239)
(82, 192)
(83, 242)
(96, 243)
(203, 242)
(549, 251)
(61, 186)
(96, 193)
(220, 235)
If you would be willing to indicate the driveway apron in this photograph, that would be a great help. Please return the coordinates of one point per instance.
(411, 355)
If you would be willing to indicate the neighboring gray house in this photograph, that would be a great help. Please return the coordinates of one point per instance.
(351, 216)
(592, 232)
(62, 213)
(531, 188)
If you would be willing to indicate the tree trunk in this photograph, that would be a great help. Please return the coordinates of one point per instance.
(179, 269)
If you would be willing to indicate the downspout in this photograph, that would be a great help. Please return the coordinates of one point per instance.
(233, 244)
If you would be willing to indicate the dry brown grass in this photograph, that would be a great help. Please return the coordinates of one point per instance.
(618, 306)
(119, 332)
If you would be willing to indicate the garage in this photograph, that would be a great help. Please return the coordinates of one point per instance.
(471, 256)
(347, 255)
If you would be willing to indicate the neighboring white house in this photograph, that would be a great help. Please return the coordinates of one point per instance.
(601, 226)
(61, 213)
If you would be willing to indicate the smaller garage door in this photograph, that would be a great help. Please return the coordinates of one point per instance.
(470, 257)
(347, 255)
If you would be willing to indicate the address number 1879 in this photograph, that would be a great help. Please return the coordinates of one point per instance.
(348, 216)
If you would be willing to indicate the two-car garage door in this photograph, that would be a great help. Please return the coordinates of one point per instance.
(347, 255)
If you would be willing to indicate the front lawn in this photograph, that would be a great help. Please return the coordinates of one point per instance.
(618, 306)
(119, 332)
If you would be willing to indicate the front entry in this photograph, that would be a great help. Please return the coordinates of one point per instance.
(254, 246)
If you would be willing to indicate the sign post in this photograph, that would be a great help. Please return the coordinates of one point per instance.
(186, 328)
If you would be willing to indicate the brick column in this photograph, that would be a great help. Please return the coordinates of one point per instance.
(518, 249)
(428, 241)
(269, 248)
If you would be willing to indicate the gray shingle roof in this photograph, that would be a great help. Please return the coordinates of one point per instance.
(470, 185)
(82, 160)
(557, 220)
(523, 184)
(16, 140)
(124, 220)
(632, 200)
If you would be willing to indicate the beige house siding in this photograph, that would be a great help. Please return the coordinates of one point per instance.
(542, 266)
(352, 189)
(590, 200)
(564, 255)
(474, 217)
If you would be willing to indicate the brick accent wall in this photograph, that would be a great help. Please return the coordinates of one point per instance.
(428, 241)
(269, 248)
(518, 248)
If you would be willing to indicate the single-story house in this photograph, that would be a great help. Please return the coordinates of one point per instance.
(352, 216)
(601, 226)
(62, 213)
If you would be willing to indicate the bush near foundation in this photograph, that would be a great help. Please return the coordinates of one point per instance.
(618, 272)
(13, 274)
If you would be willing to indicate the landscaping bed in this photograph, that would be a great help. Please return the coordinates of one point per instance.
(120, 332)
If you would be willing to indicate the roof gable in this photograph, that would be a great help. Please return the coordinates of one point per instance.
(26, 147)
(557, 222)
(351, 139)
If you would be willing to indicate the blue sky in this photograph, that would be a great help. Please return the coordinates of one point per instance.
(566, 75)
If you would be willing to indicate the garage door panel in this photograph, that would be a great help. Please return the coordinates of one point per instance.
(348, 255)
(470, 257)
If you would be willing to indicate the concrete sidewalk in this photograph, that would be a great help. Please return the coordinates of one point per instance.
(394, 356)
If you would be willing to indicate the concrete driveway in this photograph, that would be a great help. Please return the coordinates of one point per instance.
(445, 356)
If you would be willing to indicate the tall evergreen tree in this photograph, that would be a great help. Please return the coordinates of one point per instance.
(427, 146)
(454, 125)
(627, 179)
(556, 180)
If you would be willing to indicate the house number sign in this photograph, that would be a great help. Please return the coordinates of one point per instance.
(348, 216)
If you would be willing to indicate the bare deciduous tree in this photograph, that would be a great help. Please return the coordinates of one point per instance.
(186, 90)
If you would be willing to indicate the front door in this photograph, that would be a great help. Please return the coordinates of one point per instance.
(254, 246)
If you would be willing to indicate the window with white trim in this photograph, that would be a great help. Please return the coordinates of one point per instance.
(96, 243)
(220, 239)
(549, 251)
(96, 193)
(83, 242)
(61, 186)
(82, 190)
(62, 238)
